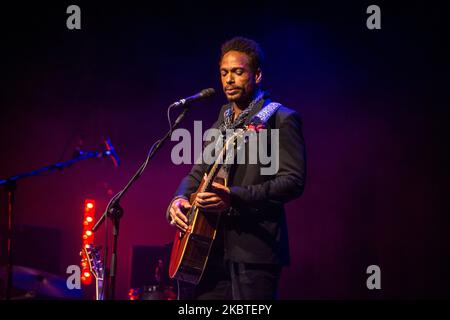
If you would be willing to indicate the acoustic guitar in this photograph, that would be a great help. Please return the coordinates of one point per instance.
(191, 249)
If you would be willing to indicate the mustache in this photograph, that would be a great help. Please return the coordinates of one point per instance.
(232, 87)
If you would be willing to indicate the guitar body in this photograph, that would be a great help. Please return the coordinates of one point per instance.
(191, 249)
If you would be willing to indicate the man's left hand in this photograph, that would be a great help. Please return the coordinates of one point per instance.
(217, 200)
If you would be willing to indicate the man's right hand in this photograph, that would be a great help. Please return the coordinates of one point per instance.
(178, 209)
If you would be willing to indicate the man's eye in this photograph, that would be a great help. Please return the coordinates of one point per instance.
(224, 73)
(239, 72)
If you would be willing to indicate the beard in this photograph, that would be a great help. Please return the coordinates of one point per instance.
(240, 97)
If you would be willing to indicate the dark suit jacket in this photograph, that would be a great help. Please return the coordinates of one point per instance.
(256, 231)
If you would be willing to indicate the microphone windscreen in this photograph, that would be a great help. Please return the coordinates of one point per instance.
(207, 92)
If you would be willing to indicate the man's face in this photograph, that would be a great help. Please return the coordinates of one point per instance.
(238, 79)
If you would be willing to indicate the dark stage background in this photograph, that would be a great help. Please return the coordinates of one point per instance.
(374, 105)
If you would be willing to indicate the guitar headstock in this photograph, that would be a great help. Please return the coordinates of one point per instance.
(254, 127)
(95, 261)
(237, 134)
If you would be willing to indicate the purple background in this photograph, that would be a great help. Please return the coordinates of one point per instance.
(371, 102)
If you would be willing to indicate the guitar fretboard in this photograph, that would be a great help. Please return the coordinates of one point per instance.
(215, 168)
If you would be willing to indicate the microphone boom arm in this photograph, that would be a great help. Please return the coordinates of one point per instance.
(114, 211)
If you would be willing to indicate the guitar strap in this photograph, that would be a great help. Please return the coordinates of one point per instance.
(265, 113)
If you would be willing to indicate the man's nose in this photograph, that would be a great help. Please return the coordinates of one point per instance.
(229, 79)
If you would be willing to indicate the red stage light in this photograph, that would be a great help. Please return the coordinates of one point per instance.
(88, 238)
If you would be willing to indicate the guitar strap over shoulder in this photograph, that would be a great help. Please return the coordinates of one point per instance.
(265, 113)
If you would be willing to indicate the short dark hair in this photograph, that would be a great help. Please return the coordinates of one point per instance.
(247, 46)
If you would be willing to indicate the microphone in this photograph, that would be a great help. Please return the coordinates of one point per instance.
(110, 151)
(205, 93)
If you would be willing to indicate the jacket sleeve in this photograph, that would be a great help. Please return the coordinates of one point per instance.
(288, 183)
(190, 183)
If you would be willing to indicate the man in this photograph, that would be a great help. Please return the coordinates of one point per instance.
(251, 244)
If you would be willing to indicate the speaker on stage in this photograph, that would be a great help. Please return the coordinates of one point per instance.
(149, 265)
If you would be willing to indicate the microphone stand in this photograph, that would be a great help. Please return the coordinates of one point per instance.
(114, 211)
(10, 187)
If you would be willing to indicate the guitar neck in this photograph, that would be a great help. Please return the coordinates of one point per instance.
(215, 168)
(210, 177)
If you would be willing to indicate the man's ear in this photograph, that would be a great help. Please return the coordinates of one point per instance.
(258, 76)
